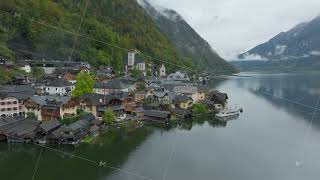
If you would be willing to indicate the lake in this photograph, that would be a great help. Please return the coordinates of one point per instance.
(273, 139)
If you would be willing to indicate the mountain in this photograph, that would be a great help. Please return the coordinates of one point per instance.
(302, 42)
(46, 29)
(188, 43)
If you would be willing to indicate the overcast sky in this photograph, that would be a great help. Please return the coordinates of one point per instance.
(234, 26)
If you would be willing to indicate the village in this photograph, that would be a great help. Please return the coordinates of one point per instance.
(48, 111)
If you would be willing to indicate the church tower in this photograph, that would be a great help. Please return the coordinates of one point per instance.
(162, 71)
(131, 58)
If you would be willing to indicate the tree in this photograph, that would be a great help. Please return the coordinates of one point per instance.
(38, 73)
(135, 73)
(109, 117)
(141, 87)
(199, 108)
(84, 84)
(31, 115)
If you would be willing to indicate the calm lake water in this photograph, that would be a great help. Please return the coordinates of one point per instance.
(267, 142)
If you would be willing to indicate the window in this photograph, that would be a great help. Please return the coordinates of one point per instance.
(9, 109)
(3, 103)
(15, 108)
(15, 102)
(3, 109)
(8, 103)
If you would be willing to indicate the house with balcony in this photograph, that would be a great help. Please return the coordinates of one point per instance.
(97, 104)
(51, 107)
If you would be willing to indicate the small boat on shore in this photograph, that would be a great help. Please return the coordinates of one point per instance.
(226, 114)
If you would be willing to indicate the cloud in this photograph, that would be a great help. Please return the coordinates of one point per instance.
(315, 53)
(235, 26)
(248, 56)
(166, 12)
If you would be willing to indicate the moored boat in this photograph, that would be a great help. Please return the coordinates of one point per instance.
(228, 114)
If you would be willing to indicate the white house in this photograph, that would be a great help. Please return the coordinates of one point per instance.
(178, 76)
(9, 105)
(162, 71)
(114, 86)
(59, 87)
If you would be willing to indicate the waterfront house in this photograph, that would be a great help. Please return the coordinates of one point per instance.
(192, 91)
(59, 87)
(97, 104)
(217, 97)
(51, 107)
(139, 113)
(17, 129)
(183, 102)
(157, 116)
(45, 128)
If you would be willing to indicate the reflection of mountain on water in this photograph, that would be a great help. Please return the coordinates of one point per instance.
(112, 148)
(296, 93)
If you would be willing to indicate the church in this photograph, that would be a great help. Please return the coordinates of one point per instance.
(135, 62)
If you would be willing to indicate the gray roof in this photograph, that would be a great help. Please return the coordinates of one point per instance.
(17, 88)
(79, 125)
(182, 98)
(88, 117)
(58, 83)
(97, 99)
(21, 92)
(218, 96)
(8, 120)
(18, 126)
(185, 89)
(114, 84)
(50, 125)
(140, 109)
(159, 114)
(43, 100)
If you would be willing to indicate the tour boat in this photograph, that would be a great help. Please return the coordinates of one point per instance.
(228, 113)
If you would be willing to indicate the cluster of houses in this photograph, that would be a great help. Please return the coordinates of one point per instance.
(34, 110)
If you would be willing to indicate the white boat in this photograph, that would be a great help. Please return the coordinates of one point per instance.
(228, 113)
